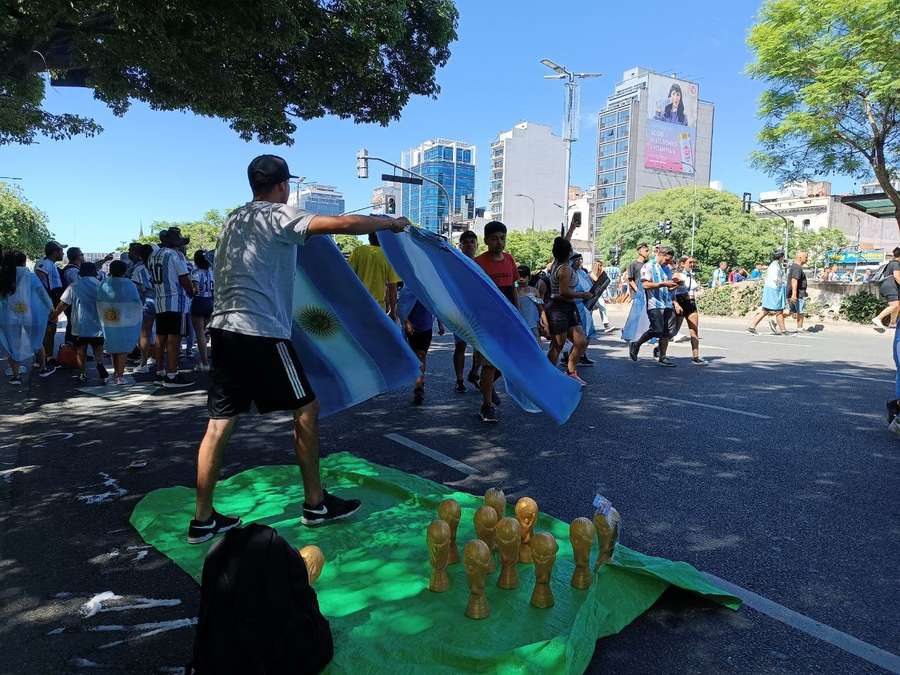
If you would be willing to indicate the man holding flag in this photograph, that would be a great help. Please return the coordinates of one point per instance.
(254, 360)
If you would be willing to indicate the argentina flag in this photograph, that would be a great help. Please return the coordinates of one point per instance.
(464, 298)
(637, 322)
(349, 348)
(23, 317)
(121, 312)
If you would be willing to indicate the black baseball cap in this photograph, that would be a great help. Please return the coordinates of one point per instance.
(268, 170)
(53, 245)
(172, 238)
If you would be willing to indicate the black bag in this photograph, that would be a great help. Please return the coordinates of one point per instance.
(258, 613)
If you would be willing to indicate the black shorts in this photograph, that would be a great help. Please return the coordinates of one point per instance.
(251, 369)
(561, 316)
(662, 323)
(688, 305)
(202, 307)
(95, 342)
(420, 340)
(170, 323)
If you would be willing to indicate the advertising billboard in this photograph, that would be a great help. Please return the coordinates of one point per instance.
(671, 125)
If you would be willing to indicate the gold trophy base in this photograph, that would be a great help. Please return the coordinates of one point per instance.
(440, 581)
(478, 608)
(581, 578)
(542, 598)
(525, 553)
(509, 579)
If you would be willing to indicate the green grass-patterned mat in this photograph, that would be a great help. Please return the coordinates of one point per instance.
(374, 586)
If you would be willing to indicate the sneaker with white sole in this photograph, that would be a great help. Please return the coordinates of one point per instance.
(16, 380)
(681, 337)
(878, 325)
(204, 530)
(178, 382)
(119, 380)
(332, 508)
(700, 361)
(664, 361)
(48, 370)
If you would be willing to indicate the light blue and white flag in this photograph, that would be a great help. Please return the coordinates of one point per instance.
(85, 317)
(121, 313)
(637, 322)
(456, 290)
(584, 284)
(349, 348)
(23, 317)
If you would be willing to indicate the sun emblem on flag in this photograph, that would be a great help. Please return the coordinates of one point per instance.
(317, 321)
(111, 315)
(20, 308)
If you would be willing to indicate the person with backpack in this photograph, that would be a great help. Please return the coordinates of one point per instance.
(888, 279)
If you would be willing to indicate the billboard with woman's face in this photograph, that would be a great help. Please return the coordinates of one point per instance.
(671, 131)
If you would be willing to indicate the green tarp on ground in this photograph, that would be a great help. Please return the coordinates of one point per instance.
(374, 586)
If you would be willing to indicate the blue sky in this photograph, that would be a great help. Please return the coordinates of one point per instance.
(151, 165)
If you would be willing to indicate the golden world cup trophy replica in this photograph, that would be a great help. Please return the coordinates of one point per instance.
(439, 555)
(485, 528)
(526, 514)
(543, 548)
(449, 511)
(315, 561)
(509, 538)
(607, 534)
(477, 560)
(581, 535)
(495, 497)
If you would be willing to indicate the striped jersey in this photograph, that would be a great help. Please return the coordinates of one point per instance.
(141, 278)
(204, 280)
(166, 265)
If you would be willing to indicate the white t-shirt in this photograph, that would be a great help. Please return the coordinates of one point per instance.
(49, 268)
(256, 260)
(166, 265)
(68, 295)
(687, 285)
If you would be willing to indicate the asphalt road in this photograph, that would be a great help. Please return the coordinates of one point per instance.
(771, 468)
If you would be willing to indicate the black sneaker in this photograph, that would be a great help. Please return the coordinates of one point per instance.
(664, 361)
(204, 530)
(331, 508)
(460, 387)
(418, 396)
(48, 370)
(82, 377)
(178, 382)
(16, 380)
(102, 372)
(488, 414)
(159, 378)
(585, 361)
(656, 352)
(893, 409)
(751, 330)
(633, 349)
(474, 378)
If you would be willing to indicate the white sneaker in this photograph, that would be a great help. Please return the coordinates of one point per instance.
(201, 368)
(894, 427)
(681, 337)
(143, 369)
(878, 325)
(151, 361)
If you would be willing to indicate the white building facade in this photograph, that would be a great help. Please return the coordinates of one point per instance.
(381, 200)
(528, 177)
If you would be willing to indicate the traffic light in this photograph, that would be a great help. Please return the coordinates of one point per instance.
(665, 227)
(746, 200)
(362, 163)
(391, 206)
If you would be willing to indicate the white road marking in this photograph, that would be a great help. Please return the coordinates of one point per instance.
(816, 629)
(434, 454)
(785, 343)
(725, 330)
(854, 377)
(714, 407)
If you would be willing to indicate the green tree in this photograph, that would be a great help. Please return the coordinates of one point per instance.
(817, 243)
(202, 233)
(256, 65)
(531, 248)
(833, 103)
(723, 231)
(347, 243)
(22, 226)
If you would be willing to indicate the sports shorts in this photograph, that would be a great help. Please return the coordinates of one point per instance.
(562, 316)
(662, 323)
(249, 369)
(420, 340)
(170, 323)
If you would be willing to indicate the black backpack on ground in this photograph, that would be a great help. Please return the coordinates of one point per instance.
(258, 613)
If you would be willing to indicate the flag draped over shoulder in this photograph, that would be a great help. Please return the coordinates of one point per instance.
(23, 317)
(637, 322)
(349, 348)
(464, 298)
(121, 313)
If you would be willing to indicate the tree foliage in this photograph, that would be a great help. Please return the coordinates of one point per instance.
(203, 233)
(724, 231)
(833, 102)
(347, 243)
(256, 65)
(22, 226)
(531, 248)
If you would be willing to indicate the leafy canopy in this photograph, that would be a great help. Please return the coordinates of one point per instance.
(22, 226)
(833, 102)
(202, 233)
(534, 249)
(256, 65)
(724, 231)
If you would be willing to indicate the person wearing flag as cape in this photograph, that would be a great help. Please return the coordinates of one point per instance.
(121, 315)
(254, 361)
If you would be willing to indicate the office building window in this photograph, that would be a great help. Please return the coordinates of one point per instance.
(608, 119)
(607, 134)
(624, 116)
(621, 176)
(607, 149)
(622, 132)
(619, 190)
(606, 177)
(606, 164)
(622, 146)
(618, 203)
(621, 161)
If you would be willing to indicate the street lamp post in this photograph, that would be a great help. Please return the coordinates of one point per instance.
(572, 111)
(531, 199)
(747, 200)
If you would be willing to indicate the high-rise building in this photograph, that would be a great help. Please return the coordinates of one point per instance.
(386, 200)
(528, 175)
(450, 163)
(654, 134)
(323, 200)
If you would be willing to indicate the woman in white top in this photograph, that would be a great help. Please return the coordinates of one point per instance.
(684, 301)
(773, 299)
